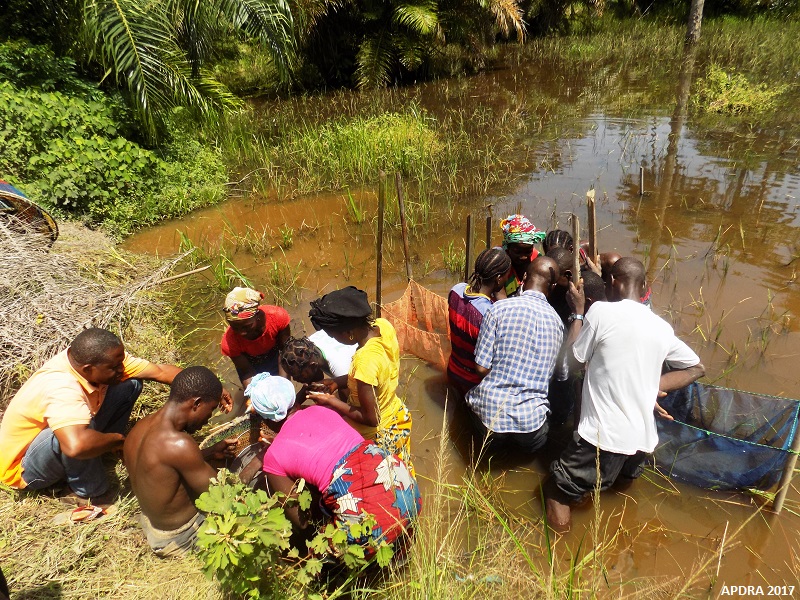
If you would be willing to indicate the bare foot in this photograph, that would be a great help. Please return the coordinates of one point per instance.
(559, 515)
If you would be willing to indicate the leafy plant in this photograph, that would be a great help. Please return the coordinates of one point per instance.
(733, 93)
(244, 542)
(68, 152)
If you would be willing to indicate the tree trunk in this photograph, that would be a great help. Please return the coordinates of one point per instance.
(695, 21)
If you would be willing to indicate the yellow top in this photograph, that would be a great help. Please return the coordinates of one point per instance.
(377, 363)
(55, 396)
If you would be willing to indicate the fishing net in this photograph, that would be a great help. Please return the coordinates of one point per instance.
(725, 439)
(420, 318)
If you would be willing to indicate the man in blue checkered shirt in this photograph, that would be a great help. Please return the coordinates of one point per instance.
(516, 353)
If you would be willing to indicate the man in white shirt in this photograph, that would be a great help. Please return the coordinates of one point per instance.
(623, 345)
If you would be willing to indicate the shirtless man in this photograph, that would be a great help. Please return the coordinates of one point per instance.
(167, 469)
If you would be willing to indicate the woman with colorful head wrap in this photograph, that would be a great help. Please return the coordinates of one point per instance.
(519, 237)
(373, 406)
(256, 333)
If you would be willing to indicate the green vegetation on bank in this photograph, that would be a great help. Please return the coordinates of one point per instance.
(72, 150)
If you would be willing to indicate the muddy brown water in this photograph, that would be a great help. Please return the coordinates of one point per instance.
(718, 230)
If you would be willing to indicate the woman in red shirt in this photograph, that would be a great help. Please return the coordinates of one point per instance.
(255, 335)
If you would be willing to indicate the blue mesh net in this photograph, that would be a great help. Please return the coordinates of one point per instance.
(725, 439)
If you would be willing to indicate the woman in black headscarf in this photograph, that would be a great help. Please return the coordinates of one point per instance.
(373, 407)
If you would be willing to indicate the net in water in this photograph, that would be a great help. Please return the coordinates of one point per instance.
(725, 439)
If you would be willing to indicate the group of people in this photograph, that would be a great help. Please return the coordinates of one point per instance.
(532, 342)
(346, 432)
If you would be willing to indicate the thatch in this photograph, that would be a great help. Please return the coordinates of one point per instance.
(47, 296)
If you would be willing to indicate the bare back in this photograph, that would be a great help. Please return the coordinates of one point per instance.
(167, 471)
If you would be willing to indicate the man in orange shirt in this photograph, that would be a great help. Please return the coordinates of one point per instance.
(70, 412)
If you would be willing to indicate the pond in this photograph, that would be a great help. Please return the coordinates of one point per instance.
(716, 226)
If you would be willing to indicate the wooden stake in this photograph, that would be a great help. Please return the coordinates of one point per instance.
(592, 223)
(576, 239)
(468, 256)
(641, 181)
(489, 231)
(403, 226)
(786, 476)
(379, 242)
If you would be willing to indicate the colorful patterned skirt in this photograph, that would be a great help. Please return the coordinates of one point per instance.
(396, 438)
(371, 484)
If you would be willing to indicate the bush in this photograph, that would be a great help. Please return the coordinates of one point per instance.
(244, 543)
(68, 152)
(732, 93)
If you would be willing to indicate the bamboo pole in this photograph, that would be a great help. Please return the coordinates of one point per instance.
(379, 242)
(592, 223)
(468, 254)
(576, 239)
(489, 231)
(786, 476)
(403, 225)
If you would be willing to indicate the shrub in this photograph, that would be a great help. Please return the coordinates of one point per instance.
(244, 543)
(67, 152)
(732, 93)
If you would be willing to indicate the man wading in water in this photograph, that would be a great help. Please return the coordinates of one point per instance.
(167, 469)
(624, 345)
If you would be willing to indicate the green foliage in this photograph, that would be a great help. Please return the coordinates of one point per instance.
(68, 152)
(244, 542)
(343, 150)
(27, 65)
(454, 258)
(732, 93)
(243, 537)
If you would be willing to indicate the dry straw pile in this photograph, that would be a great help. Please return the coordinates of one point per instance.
(47, 296)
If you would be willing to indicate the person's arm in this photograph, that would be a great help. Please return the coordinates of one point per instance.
(367, 413)
(482, 371)
(577, 304)
(159, 372)
(286, 486)
(185, 456)
(244, 369)
(81, 442)
(680, 378)
(221, 450)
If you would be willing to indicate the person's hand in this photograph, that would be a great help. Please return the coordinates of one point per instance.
(226, 404)
(660, 410)
(222, 450)
(322, 399)
(576, 298)
(326, 386)
(593, 266)
(266, 437)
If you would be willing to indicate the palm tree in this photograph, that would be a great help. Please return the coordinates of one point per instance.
(157, 51)
(395, 35)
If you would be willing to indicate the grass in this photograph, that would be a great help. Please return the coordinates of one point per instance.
(454, 258)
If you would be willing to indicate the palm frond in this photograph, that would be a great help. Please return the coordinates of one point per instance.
(138, 45)
(374, 58)
(267, 21)
(420, 17)
(508, 15)
(410, 50)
